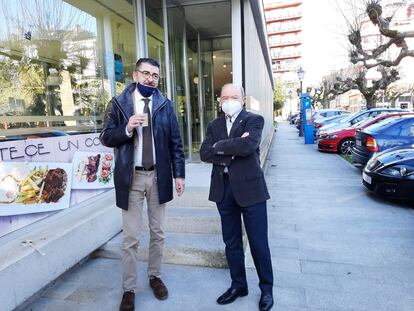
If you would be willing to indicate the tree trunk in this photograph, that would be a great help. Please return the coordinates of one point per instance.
(371, 102)
(325, 103)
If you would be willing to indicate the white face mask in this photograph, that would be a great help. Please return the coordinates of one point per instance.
(231, 107)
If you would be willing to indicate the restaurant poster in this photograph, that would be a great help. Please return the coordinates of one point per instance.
(93, 170)
(34, 187)
(51, 152)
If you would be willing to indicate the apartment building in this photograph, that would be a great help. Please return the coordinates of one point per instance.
(284, 29)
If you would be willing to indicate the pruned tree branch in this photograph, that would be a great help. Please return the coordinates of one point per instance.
(374, 11)
(382, 50)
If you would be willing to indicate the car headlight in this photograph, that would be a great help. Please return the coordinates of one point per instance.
(399, 171)
(332, 136)
(372, 164)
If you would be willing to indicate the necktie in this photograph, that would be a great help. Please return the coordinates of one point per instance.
(147, 155)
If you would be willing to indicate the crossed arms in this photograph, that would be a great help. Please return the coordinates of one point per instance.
(221, 152)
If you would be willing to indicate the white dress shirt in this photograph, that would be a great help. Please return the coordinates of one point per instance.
(229, 124)
(230, 121)
(139, 108)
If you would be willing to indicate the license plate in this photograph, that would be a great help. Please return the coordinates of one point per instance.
(366, 178)
(358, 143)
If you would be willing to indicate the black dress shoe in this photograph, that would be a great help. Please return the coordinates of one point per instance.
(231, 295)
(128, 302)
(266, 302)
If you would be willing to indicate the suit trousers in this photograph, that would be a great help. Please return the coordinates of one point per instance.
(144, 186)
(255, 221)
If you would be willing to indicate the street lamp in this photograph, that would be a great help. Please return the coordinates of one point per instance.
(301, 75)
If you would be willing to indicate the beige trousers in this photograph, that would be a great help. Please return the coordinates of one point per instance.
(144, 186)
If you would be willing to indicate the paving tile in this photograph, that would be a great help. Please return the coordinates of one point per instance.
(304, 281)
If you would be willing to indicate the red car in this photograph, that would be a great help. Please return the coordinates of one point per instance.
(342, 141)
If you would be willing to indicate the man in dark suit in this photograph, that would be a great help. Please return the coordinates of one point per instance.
(238, 187)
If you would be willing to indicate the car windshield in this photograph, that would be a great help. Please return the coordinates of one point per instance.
(348, 117)
(382, 124)
(364, 122)
(338, 117)
(327, 120)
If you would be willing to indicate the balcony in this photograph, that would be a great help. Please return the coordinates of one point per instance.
(276, 6)
(281, 69)
(281, 31)
(284, 44)
(286, 56)
(284, 17)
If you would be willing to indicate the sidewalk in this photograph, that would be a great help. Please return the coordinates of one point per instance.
(335, 247)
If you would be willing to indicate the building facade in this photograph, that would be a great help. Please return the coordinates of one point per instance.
(63, 66)
(60, 64)
(285, 30)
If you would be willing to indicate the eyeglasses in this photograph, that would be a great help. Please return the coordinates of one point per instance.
(148, 74)
(224, 98)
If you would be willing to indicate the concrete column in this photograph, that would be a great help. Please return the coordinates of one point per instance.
(236, 42)
(141, 28)
(109, 63)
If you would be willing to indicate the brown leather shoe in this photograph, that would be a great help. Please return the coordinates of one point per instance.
(158, 287)
(128, 302)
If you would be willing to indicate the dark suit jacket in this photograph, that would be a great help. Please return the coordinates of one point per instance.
(240, 155)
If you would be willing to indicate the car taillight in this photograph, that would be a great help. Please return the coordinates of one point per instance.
(371, 144)
(317, 125)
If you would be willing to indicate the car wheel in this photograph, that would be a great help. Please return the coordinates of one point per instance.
(345, 146)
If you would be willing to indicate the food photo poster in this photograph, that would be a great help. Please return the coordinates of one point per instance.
(34, 187)
(93, 170)
(79, 164)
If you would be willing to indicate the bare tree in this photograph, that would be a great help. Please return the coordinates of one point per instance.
(393, 92)
(391, 47)
(336, 83)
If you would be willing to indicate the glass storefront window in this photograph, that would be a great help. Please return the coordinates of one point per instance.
(49, 68)
(155, 38)
(60, 63)
(123, 48)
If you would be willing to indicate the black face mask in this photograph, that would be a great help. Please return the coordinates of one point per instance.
(145, 91)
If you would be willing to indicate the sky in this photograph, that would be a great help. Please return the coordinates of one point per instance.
(325, 45)
(324, 40)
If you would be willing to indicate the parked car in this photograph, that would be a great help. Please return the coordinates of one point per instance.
(357, 117)
(343, 140)
(37, 133)
(318, 123)
(323, 121)
(327, 113)
(391, 132)
(292, 118)
(297, 121)
(391, 173)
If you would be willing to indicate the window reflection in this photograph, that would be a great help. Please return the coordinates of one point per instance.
(155, 37)
(61, 63)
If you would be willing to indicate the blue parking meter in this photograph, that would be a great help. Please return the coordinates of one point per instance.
(307, 117)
